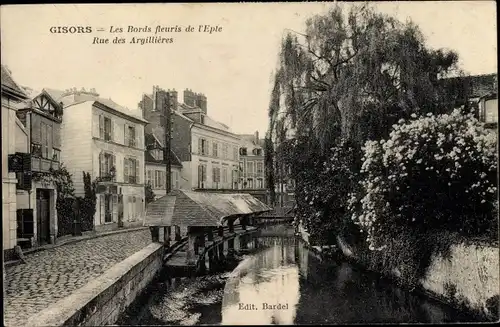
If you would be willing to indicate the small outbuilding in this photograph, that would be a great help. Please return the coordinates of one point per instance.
(201, 213)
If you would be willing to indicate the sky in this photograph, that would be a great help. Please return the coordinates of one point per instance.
(232, 67)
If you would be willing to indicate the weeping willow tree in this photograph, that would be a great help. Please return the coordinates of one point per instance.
(348, 78)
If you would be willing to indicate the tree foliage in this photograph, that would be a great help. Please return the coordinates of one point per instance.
(88, 202)
(347, 79)
(62, 180)
(149, 194)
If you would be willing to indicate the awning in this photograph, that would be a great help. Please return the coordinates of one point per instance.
(200, 209)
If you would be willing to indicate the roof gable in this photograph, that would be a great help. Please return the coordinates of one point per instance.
(9, 85)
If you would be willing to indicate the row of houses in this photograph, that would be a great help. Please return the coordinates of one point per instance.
(121, 150)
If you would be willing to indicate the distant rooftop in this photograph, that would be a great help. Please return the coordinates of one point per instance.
(9, 85)
(71, 96)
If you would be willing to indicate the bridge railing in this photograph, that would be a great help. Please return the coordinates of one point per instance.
(178, 245)
(217, 240)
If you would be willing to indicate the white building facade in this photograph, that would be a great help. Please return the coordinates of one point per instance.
(214, 158)
(106, 140)
(12, 94)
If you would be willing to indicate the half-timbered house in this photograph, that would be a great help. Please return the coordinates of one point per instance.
(37, 218)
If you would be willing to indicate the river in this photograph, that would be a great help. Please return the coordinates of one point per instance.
(282, 282)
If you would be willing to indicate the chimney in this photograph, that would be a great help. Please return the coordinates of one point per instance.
(189, 98)
(256, 137)
(175, 99)
(201, 102)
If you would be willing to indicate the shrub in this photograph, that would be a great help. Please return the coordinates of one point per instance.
(433, 173)
(327, 193)
(88, 203)
(149, 194)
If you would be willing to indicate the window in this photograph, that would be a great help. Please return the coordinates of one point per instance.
(224, 151)
(260, 183)
(105, 127)
(157, 154)
(224, 175)
(215, 149)
(250, 167)
(130, 136)
(257, 152)
(46, 140)
(235, 153)
(150, 178)
(216, 176)
(202, 146)
(131, 171)
(243, 151)
(36, 150)
(57, 155)
(159, 179)
(235, 177)
(260, 167)
(250, 183)
(107, 166)
(202, 175)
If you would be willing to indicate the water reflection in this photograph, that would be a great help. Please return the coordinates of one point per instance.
(263, 289)
(311, 291)
(285, 283)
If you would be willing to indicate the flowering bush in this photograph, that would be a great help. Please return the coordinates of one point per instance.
(433, 173)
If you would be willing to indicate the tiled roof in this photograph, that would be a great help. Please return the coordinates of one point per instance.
(189, 208)
(9, 85)
(59, 96)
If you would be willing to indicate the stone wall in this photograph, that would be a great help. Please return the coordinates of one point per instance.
(101, 301)
(470, 278)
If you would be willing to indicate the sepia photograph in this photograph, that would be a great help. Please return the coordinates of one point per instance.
(279, 163)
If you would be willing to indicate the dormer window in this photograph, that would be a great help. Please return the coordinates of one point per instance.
(243, 151)
(257, 152)
(157, 154)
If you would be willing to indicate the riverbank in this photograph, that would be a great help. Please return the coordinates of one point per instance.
(467, 280)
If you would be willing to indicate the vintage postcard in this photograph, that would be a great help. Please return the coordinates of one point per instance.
(250, 163)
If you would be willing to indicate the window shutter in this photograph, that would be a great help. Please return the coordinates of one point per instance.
(137, 174)
(101, 164)
(101, 126)
(113, 164)
(102, 207)
(125, 132)
(125, 170)
(112, 130)
(115, 207)
(200, 146)
(200, 174)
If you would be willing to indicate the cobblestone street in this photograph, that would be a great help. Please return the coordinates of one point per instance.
(53, 274)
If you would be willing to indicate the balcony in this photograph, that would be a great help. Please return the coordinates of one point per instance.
(41, 163)
(108, 176)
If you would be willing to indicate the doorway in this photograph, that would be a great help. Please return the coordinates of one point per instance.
(108, 205)
(43, 216)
